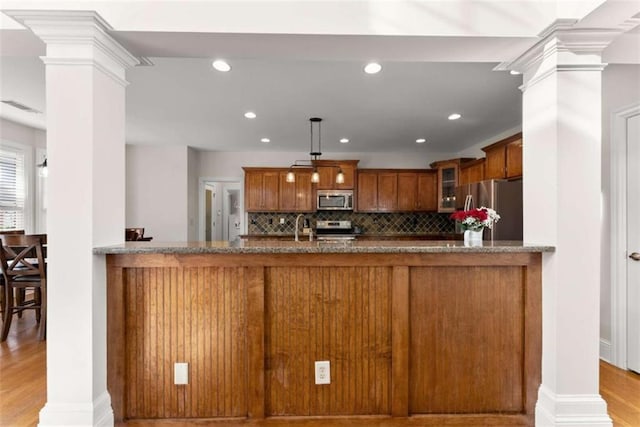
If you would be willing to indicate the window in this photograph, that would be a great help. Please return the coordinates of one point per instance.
(12, 189)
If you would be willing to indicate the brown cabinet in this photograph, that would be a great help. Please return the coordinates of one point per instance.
(296, 196)
(328, 170)
(448, 180)
(417, 191)
(261, 189)
(504, 158)
(367, 194)
(387, 192)
(472, 172)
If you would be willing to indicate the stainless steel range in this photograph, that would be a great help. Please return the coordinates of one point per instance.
(334, 230)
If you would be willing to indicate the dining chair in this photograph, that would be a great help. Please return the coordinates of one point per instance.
(23, 267)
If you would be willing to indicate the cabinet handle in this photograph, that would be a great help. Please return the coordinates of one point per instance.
(635, 256)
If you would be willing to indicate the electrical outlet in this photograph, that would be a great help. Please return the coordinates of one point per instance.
(180, 373)
(281, 220)
(323, 372)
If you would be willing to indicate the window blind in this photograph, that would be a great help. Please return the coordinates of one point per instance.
(12, 189)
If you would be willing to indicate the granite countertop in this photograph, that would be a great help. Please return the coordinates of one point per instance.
(284, 247)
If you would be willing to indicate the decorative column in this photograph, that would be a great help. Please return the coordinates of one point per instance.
(562, 207)
(85, 88)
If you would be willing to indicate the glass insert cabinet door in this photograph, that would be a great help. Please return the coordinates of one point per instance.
(448, 181)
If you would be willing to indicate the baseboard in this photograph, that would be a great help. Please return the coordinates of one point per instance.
(605, 351)
(97, 414)
(571, 410)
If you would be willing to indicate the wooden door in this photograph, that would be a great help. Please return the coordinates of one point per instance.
(407, 196)
(327, 177)
(349, 177)
(367, 192)
(253, 183)
(495, 163)
(514, 159)
(287, 193)
(427, 192)
(304, 192)
(270, 185)
(447, 183)
(476, 171)
(387, 192)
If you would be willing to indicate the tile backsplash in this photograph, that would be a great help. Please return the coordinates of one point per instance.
(370, 223)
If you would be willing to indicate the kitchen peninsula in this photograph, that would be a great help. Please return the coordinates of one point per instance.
(423, 331)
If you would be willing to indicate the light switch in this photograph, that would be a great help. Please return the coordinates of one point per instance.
(180, 373)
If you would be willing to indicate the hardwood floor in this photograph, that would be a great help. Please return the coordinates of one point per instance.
(23, 382)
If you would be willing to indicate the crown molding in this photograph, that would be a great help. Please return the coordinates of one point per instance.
(76, 37)
(563, 36)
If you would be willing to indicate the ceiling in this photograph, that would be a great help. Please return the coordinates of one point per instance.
(286, 79)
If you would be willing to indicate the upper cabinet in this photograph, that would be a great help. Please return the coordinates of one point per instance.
(328, 170)
(504, 158)
(472, 171)
(418, 191)
(296, 196)
(377, 191)
(448, 180)
(396, 190)
(261, 189)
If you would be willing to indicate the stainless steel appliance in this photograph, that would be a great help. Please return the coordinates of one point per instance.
(334, 230)
(505, 197)
(334, 200)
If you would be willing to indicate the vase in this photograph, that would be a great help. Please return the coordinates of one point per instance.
(473, 237)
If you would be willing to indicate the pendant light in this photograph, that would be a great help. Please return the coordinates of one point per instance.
(315, 176)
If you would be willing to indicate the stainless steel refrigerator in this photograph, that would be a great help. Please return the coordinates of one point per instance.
(505, 197)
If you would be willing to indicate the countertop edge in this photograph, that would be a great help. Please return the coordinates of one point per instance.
(323, 248)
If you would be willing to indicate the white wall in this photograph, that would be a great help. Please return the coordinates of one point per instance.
(620, 88)
(192, 193)
(157, 191)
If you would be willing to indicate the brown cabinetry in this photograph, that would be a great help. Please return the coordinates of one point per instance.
(472, 172)
(417, 191)
(396, 190)
(328, 170)
(504, 158)
(261, 189)
(448, 180)
(296, 196)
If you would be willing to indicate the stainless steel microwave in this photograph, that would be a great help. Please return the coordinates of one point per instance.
(334, 200)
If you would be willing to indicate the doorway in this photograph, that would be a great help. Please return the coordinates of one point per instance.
(625, 237)
(221, 210)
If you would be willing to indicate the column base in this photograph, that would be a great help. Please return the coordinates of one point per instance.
(96, 414)
(580, 410)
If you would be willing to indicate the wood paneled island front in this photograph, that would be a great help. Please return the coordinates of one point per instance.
(416, 333)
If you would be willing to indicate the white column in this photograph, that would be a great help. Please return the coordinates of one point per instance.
(85, 87)
(562, 207)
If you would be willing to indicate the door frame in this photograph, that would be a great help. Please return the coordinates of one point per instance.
(201, 200)
(618, 232)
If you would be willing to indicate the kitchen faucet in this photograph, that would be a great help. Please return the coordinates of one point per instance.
(296, 231)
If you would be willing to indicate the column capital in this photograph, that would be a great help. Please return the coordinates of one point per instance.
(573, 47)
(77, 38)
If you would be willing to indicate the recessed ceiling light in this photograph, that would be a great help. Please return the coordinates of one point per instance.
(514, 72)
(421, 141)
(265, 140)
(221, 65)
(250, 115)
(344, 140)
(372, 68)
(454, 116)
